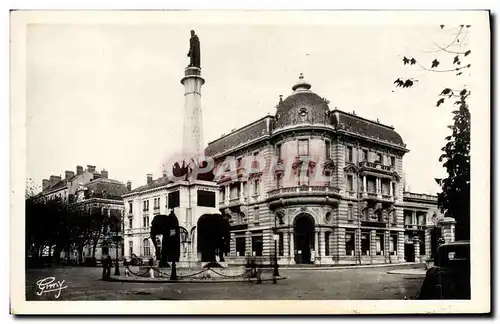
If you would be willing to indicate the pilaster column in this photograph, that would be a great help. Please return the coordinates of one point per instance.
(448, 229)
(241, 191)
(316, 241)
(322, 244)
(228, 193)
(248, 243)
(364, 184)
(292, 242)
(373, 243)
(428, 252)
(414, 217)
(390, 189)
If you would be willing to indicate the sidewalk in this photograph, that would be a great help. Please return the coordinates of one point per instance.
(356, 266)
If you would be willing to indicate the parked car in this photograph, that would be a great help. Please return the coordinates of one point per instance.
(449, 278)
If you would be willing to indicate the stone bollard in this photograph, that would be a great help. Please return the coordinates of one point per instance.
(151, 273)
(127, 272)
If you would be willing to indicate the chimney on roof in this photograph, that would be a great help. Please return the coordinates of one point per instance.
(149, 178)
(129, 185)
(104, 174)
(45, 184)
(79, 170)
(91, 168)
(53, 180)
(68, 174)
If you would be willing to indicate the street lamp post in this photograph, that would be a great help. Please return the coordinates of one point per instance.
(276, 238)
(117, 266)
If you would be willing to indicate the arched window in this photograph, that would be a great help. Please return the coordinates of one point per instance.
(146, 247)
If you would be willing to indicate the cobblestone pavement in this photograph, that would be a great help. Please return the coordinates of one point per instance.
(356, 283)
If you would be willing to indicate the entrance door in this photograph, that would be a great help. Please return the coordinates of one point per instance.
(304, 238)
(409, 252)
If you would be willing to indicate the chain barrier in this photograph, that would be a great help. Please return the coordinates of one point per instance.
(146, 273)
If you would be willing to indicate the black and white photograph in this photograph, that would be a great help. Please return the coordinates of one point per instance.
(237, 162)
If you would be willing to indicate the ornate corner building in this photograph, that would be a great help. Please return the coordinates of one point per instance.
(357, 212)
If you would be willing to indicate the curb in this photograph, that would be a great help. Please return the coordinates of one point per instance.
(191, 281)
(385, 265)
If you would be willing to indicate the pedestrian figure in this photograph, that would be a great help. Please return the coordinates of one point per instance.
(106, 268)
(126, 264)
(313, 255)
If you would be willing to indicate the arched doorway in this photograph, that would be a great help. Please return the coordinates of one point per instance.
(304, 238)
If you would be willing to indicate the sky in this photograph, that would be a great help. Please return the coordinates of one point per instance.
(110, 95)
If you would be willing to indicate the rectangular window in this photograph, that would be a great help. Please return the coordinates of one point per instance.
(147, 251)
(349, 243)
(408, 218)
(255, 162)
(130, 224)
(240, 246)
(379, 244)
(393, 244)
(173, 199)
(279, 180)
(365, 155)
(328, 150)
(145, 221)
(257, 245)
(206, 198)
(239, 162)
(303, 147)
(145, 205)
(348, 154)
(393, 161)
(256, 214)
(350, 183)
(365, 243)
(131, 248)
(379, 158)
(327, 243)
(130, 210)
(350, 211)
(278, 151)
(256, 187)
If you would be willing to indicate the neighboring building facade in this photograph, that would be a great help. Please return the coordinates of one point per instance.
(315, 219)
(93, 192)
(188, 201)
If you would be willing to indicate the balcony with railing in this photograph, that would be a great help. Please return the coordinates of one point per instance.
(372, 195)
(410, 196)
(303, 194)
(375, 167)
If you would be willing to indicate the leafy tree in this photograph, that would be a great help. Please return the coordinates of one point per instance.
(454, 200)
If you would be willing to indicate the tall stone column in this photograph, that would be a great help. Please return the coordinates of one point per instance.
(292, 244)
(428, 252)
(316, 242)
(373, 244)
(364, 184)
(391, 191)
(401, 246)
(192, 139)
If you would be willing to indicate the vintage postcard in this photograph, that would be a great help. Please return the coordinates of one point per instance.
(250, 162)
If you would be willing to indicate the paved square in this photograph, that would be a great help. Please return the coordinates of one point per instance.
(355, 283)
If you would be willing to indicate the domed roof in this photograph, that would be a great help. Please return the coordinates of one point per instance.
(302, 106)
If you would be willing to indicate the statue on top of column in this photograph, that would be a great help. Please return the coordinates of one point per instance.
(194, 50)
